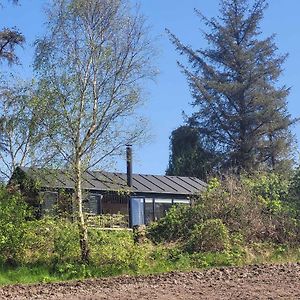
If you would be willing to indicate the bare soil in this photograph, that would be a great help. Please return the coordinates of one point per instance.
(253, 282)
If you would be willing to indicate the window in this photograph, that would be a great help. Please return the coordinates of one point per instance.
(49, 204)
(161, 207)
(92, 204)
(149, 213)
(182, 201)
(147, 210)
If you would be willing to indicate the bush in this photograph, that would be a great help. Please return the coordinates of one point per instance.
(210, 236)
(115, 251)
(278, 212)
(294, 192)
(51, 241)
(13, 214)
(270, 189)
(255, 207)
(174, 226)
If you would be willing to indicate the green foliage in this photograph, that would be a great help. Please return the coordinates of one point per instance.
(210, 236)
(67, 271)
(30, 190)
(235, 257)
(274, 193)
(239, 108)
(172, 227)
(26, 275)
(107, 220)
(13, 215)
(271, 189)
(50, 241)
(294, 198)
(116, 251)
(186, 148)
(253, 208)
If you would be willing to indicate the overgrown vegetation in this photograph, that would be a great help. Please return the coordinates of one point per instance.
(251, 219)
(89, 76)
(258, 208)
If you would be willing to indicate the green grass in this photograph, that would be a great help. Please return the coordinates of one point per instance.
(26, 275)
(163, 259)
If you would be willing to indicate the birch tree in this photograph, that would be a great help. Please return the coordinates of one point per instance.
(10, 38)
(22, 136)
(91, 65)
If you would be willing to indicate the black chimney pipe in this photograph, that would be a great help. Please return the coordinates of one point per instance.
(129, 164)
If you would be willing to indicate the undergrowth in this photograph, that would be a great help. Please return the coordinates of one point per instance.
(157, 259)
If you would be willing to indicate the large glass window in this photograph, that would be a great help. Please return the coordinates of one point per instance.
(182, 201)
(149, 213)
(147, 210)
(92, 204)
(161, 207)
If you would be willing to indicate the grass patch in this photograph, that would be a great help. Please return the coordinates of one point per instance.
(26, 275)
(161, 259)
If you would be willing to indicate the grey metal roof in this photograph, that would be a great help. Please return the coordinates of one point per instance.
(110, 181)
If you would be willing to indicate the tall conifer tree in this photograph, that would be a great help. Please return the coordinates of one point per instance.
(240, 106)
(9, 39)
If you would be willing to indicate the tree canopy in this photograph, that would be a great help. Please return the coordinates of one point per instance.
(91, 64)
(239, 104)
(189, 156)
(9, 39)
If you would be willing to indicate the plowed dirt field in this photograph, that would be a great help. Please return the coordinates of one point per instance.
(254, 282)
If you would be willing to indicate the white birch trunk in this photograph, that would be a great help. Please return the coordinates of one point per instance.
(82, 227)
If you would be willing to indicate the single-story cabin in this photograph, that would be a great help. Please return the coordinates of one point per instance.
(141, 199)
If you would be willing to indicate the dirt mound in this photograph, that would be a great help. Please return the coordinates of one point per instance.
(254, 282)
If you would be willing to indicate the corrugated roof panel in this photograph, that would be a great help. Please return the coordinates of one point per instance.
(189, 184)
(198, 181)
(140, 185)
(148, 181)
(108, 181)
(182, 188)
(168, 185)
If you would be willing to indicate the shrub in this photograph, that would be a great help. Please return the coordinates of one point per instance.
(256, 207)
(294, 192)
(272, 190)
(13, 214)
(115, 251)
(51, 241)
(174, 226)
(232, 202)
(211, 236)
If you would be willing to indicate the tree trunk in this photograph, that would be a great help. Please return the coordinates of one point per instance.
(82, 227)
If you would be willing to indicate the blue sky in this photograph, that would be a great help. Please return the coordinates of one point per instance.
(169, 95)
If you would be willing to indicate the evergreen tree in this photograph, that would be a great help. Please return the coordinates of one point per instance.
(9, 39)
(188, 155)
(234, 82)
